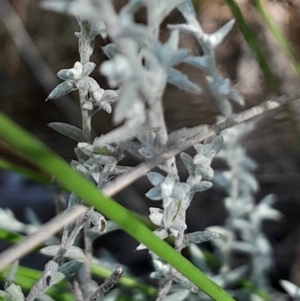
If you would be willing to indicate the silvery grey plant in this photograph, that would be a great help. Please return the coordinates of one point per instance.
(139, 68)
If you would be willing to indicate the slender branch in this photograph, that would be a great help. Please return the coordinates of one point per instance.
(56, 224)
(45, 231)
(123, 181)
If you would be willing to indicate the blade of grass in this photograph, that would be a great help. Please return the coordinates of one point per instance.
(43, 157)
(277, 33)
(32, 175)
(253, 43)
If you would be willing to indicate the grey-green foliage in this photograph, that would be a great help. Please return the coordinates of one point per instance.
(139, 68)
(245, 217)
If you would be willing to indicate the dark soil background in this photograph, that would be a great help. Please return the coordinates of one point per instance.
(27, 75)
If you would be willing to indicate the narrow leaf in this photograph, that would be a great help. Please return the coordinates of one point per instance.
(68, 130)
(181, 81)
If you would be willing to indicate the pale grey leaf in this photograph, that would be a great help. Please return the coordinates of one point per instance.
(88, 68)
(180, 190)
(179, 56)
(62, 89)
(222, 181)
(158, 11)
(73, 252)
(244, 247)
(198, 258)
(170, 214)
(181, 81)
(200, 148)
(154, 194)
(187, 10)
(205, 171)
(232, 277)
(249, 180)
(178, 296)
(186, 28)
(292, 289)
(234, 95)
(199, 237)
(188, 162)
(110, 50)
(217, 37)
(216, 145)
(63, 74)
(156, 218)
(202, 160)
(161, 233)
(155, 178)
(82, 170)
(67, 130)
(201, 62)
(70, 267)
(202, 186)
(110, 96)
(14, 292)
(184, 282)
(117, 70)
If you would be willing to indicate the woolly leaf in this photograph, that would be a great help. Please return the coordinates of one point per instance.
(88, 68)
(217, 37)
(67, 130)
(216, 145)
(202, 160)
(156, 216)
(179, 56)
(199, 237)
(198, 258)
(292, 289)
(178, 296)
(81, 169)
(188, 11)
(154, 194)
(201, 62)
(155, 178)
(202, 186)
(14, 292)
(110, 96)
(73, 252)
(180, 190)
(184, 282)
(162, 233)
(188, 162)
(159, 10)
(61, 90)
(70, 267)
(181, 81)
(167, 186)
(110, 50)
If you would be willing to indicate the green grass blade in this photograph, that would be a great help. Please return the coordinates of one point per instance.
(32, 175)
(253, 43)
(277, 33)
(44, 158)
